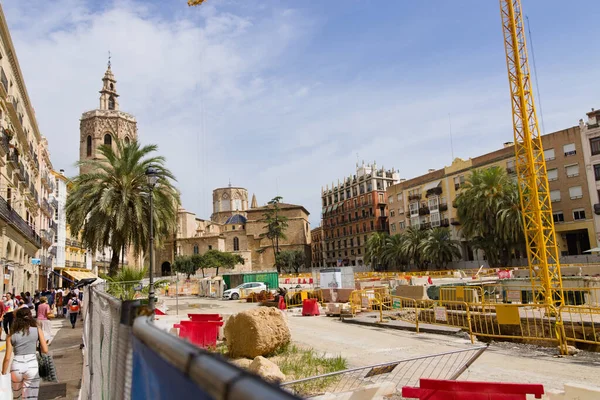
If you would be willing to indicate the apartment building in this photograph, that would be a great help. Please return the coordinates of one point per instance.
(354, 209)
(316, 244)
(590, 142)
(426, 201)
(26, 228)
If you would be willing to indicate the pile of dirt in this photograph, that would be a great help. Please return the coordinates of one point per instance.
(257, 332)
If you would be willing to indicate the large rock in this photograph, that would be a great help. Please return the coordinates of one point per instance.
(266, 369)
(257, 332)
(243, 363)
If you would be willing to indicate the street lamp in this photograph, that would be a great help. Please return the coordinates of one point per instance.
(152, 176)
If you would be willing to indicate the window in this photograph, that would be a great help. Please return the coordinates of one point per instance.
(597, 171)
(210, 247)
(572, 170)
(552, 174)
(89, 146)
(372, 225)
(578, 214)
(510, 167)
(414, 208)
(236, 244)
(108, 139)
(393, 227)
(435, 219)
(558, 216)
(595, 145)
(402, 225)
(433, 203)
(569, 149)
(111, 103)
(549, 154)
(555, 195)
(399, 197)
(391, 199)
(127, 141)
(575, 192)
(392, 213)
(414, 221)
(196, 250)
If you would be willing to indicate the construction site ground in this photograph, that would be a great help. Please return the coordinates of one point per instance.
(364, 345)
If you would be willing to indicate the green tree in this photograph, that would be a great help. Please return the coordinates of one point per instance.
(375, 247)
(127, 283)
(292, 260)
(186, 265)
(275, 227)
(393, 252)
(221, 259)
(413, 245)
(110, 204)
(438, 247)
(489, 210)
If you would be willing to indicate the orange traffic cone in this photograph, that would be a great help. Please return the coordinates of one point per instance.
(281, 305)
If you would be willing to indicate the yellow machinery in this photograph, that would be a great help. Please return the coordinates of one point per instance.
(542, 250)
(538, 225)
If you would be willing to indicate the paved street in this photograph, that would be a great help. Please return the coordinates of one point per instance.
(360, 345)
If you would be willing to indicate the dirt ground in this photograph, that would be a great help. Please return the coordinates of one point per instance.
(361, 346)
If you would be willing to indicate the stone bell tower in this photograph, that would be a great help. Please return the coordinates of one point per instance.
(106, 124)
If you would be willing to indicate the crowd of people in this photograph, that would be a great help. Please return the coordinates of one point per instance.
(26, 334)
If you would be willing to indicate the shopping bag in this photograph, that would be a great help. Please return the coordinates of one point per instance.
(5, 387)
(46, 368)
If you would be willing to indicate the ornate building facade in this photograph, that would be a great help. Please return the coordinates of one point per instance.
(235, 228)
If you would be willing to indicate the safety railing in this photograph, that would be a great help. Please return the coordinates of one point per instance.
(469, 294)
(581, 324)
(295, 298)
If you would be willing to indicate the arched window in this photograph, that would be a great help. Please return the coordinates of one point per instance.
(112, 87)
(89, 146)
(111, 103)
(196, 250)
(236, 244)
(108, 139)
(127, 141)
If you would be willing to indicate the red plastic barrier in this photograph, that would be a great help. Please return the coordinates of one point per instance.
(310, 307)
(158, 312)
(433, 389)
(205, 317)
(201, 333)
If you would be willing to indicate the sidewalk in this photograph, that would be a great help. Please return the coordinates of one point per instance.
(65, 349)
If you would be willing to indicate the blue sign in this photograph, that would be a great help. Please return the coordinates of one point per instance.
(36, 261)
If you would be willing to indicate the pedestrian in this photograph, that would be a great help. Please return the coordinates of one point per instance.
(36, 301)
(2, 314)
(59, 304)
(43, 316)
(51, 298)
(8, 317)
(167, 290)
(74, 306)
(28, 300)
(24, 369)
(65, 301)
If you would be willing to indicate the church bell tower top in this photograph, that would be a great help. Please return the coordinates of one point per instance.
(108, 94)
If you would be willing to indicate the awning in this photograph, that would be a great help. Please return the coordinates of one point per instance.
(329, 209)
(80, 274)
(334, 207)
(431, 185)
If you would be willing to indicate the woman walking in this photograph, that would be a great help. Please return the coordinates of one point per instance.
(23, 340)
(9, 307)
(43, 320)
(59, 304)
(74, 306)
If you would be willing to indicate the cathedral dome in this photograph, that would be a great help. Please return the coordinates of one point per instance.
(236, 219)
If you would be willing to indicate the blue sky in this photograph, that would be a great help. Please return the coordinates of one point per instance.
(280, 96)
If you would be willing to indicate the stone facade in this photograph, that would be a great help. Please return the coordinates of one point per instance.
(236, 232)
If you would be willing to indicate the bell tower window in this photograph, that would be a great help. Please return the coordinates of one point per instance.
(89, 146)
(236, 244)
(108, 139)
(111, 103)
(127, 140)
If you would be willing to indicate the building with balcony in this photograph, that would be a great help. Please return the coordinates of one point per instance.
(316, 244)
(590, 142)
(426, 201)
(25, 225)
(354, 209)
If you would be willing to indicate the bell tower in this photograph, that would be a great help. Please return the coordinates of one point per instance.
(106, 124)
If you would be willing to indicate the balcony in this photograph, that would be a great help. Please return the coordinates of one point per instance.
(445, 223)
(52, 225)
(54, 203)
(3, 79)
(15, 220)
(47, 236)
(21, 174)
(414, 197)
(4, 143)
(46, 209)
(13, 158)
(74, 243)
(443, 207)
(46, 261)
(74, 264)
(436, 191)
(424, 210)
(454, 221)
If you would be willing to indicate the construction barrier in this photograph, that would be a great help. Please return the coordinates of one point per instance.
(581, 324)
(296, 298)
(469, 294)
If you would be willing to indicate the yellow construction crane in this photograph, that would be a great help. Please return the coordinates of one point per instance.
(536, 207)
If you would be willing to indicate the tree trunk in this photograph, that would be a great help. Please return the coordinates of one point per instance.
(114, 262)
(217, 271)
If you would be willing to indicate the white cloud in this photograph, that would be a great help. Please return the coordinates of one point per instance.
(215, 91)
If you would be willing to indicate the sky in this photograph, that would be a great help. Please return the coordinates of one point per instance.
(284, 97)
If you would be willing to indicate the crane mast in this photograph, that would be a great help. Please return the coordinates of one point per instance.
(536, 207)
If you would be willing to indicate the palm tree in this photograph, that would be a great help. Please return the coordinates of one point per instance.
(110, 204)
(489, 210)
(439, 248)
(374, 248)
(413, 243)
(394, 252)
(127, 284)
